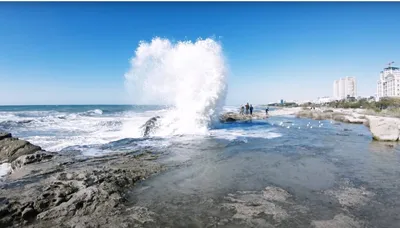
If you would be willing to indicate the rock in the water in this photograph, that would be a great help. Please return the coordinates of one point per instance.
(384, 128)
(233, 117)
(150, 126)
(11, 148)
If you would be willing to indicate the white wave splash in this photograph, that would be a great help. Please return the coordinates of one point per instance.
(235, 134)
(94, 112)
(190, 76)
(5, 168)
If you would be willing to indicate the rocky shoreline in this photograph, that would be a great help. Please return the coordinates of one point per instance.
(46, 189)
(383, 128)
(236, 117)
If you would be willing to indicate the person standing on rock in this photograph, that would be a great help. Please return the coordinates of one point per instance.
(242, 110)
(247, 108)
(251, 109)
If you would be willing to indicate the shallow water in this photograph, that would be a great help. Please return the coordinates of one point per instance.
(334, 176)
(277, 172)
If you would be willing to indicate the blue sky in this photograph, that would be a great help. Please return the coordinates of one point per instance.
(77, 53)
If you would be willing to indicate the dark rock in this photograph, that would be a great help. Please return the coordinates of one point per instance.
(233, 117)
(31, 158)
(4, 135)
(46, 189)
(230, 119)
(150, 126)
(11, 148)
(78, 193)
(29, 214)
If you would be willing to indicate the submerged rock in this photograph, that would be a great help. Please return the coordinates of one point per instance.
(340, 220)
(350, 196)
(248, 206)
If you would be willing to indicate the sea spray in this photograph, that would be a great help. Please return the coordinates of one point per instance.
(190, 76)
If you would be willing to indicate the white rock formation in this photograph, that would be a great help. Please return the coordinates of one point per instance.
(384, 128)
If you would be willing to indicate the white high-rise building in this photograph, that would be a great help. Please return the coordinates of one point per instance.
(389, 82)
(344, 87)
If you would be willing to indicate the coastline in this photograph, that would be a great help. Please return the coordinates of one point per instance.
(45, 189)
(383, 126)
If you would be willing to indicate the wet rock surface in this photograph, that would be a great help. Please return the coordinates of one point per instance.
(150, 126)
(51, 190)
(233, 117)
(11, 148)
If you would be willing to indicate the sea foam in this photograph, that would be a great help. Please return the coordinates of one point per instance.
(190, 76)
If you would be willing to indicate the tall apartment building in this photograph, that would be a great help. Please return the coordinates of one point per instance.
(389, 82)
(344, 87)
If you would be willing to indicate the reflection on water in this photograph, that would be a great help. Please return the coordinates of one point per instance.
(325, 176)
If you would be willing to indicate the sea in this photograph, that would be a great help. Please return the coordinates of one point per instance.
(334, 172)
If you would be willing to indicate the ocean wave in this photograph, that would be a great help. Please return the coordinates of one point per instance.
(34, 114)
(92, 112)
(131, 145)
(9, 124)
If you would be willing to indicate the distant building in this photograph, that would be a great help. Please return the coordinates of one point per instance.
(389, 82)
(323, 100)
(344, 87)
(303, 102)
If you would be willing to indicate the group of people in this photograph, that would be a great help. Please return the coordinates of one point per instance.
(249, 109)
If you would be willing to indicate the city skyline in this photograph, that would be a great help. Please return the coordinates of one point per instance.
(78, 53)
